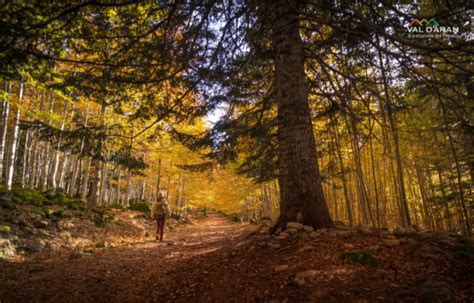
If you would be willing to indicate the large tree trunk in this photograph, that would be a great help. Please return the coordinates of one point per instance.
(299, 178)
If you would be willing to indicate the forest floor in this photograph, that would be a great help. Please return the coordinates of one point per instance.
(216, 260)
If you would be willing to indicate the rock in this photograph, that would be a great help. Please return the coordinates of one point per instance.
(299, 282)
(433, 291)
(278, 231)
(274, 245)
(364, 257)
(343, 233)
(416, 227)
(391, 237)
(411, 242)
(5, 229)
(391, 242)
(399, 231)
(281, 237)
(362, 229)
(410, 230)
(341, 227)
(348, 246)
(102, 244)
(281, 268)
(308, 228)
(291, 231)
(294, 225)
(7, 249)
(88, 250)
(303, 236)
(65, 224)
(41, 224)
(36, 268)
(314, 235)
(306, 274)
(31, 246)
(322, 230)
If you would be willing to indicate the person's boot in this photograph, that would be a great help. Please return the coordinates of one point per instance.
(161, 237)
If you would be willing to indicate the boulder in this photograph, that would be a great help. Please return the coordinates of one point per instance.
(391, 242)
(308, 228)
(323, 230)
(399, 231)
(314, 235)
(7, 249)
(294, 225)
(281, 268)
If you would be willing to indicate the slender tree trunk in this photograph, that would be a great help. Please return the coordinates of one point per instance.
(299, 177)
(3, 130)
(13, 149)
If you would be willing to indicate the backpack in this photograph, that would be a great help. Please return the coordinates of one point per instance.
(159, 209)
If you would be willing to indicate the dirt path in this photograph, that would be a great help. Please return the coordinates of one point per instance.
(135, 273)
(215, 260)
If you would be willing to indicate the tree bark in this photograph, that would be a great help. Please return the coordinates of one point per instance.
(299, 177)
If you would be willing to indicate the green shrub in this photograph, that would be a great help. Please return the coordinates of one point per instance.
(364, 257)
(140, 206)
(117, 206)
(27, 195)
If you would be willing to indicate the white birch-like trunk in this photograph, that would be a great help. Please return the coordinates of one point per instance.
(14, 141)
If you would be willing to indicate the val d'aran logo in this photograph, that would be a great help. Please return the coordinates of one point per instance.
(430, 28)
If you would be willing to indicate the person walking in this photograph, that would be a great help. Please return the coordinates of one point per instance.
(159, 212)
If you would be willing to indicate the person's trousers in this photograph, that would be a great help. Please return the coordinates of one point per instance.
(160, 226)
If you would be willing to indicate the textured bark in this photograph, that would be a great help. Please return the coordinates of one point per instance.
(299, 178)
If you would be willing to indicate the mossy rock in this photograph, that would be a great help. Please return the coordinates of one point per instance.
(30, 196)
(5, 229)
(140, 206)
(364, 257)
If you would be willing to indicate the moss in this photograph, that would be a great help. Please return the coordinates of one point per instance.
(140, 206)
(364, 257)
(27, 195)
(5, 229)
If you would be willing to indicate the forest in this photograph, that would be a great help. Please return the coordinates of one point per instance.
(347, 124)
